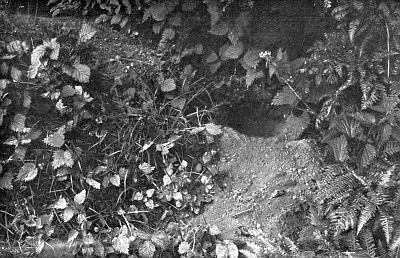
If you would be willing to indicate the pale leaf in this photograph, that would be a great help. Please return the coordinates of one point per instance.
(221, 251)
(87, 32)
(115, 180)
(147, 249)
(121, 243)
(18, 124)
(213, 129)
(168, 85)
(184, 247)
(214, 230)
(27, 172)
(93, 183)
(57, 139)
(60, 204)
(62, 158)
(68, 214)
(80, 197)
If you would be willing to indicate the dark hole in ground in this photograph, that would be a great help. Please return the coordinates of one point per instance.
(251, 118)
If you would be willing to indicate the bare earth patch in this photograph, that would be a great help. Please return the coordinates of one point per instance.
(267, 183)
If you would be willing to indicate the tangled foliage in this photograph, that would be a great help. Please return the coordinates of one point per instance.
(349, 85)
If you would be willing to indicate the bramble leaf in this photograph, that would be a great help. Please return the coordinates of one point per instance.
(87, 32)
(147, 249)
(57, 139)
(80, 197)
(27, 172)
(168, 85)
(68, 214)
(62, 158)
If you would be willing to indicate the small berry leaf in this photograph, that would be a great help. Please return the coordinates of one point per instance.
(68, 214)
(62, 158)
(147, 249)
(168, 85)
(27, 172)
(115, 180)
(80, 197)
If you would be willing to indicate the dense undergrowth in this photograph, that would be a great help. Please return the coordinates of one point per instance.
(118, 170)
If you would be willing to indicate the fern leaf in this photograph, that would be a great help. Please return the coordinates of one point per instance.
(367, 240)
(396, 241)
(366, 214)
(392, 147)
(369, 153)
(387, 225)
(339, 148)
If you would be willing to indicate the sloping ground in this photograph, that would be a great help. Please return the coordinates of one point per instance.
(268, 182)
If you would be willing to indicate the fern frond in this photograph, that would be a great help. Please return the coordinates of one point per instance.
(396, 242)
(342, 220)
(387, 225)
(386, 132)
(392, 147)
(366, 215)
(367, 240)
(339, 148)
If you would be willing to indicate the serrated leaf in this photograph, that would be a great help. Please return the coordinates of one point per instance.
(93, 183)
(57, 139)
(211, 58)
(80, 72)
(285, 97)
(369, 153)
(39, 245)
(158, 239)
(252, 75)
(80, 197)
(121, 243)
(18, 123)
(213, 129)
(6, 180)
(37, 54)
(214, 230)
(251, 58)
(68, 91)
(221, 251)
(68, 214)
(15, 74)
(60, 204)
(158, 11)
(168, 34)
(86, 32)
(168, 85)
(62, 158)
(234, 51)
(178, 103)
(184, 247)
(147, 249)
(339, 148)
(27, 172)
(123, 22)
(219, 29)
(115, 180)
